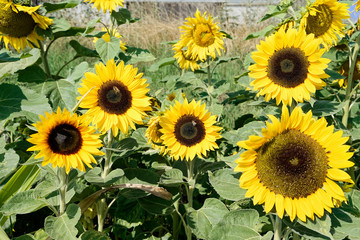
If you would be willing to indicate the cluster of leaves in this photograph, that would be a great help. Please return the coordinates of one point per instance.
(29, 194)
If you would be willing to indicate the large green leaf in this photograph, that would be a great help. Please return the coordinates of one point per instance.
(32, 74)
(61, 93)
(203, 220)
(161, 63)
(322, 108)
(226, 184)
(241, 134)
(156, 205)
(22, 203)
(51, 7)
(123, 16)
(26, 59)
(94, 176)
(172, 177)
(63, 227)
(82, 51)
(8, 161)
(136, 55)
(21, 102)
(345, 224)
(108, 50)
(94, 235)
(239, 224)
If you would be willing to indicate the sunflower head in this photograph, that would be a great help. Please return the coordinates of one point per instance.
(288, 66)
(105, 5)
(65, 140)
(188, 130)
(344, 70)
(202, 37)
(324, 18)
(153, 133)
(116, 96)
(183, 57)
(18, 24)
(294, 164)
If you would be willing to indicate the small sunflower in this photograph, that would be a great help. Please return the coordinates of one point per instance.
(153, 134)
(202, 37)
(115, 95)
(344, 70)
(106, 4)
(188, 130)
(293, 166)
(114, 33)
(324, 18)
(182, 57)
(18, 25)
(65, 140)
(288, 65)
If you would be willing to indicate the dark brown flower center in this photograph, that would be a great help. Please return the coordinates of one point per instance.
(288, 67)
(189, 130)
(14, 24)
(65, 139)
(114, 97)
(292, 164)
(319, 23)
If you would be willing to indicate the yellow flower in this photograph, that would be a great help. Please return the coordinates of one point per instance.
(324, 18)
(344, 70)
(106, 4)
(114, 33)
(65, 140)
(183, 57)
(115, 95)
(357, 5)
(188, 130)
(153, 134)
(293, 166)
(202, 37)
(288, 66)
(18, 25)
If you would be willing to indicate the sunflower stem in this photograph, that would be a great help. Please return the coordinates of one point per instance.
(63, 176)
(191, 181)
(295, 236)
(44, 60)
(277, 228)
(209, 81)
(350, 83)
(101, 206)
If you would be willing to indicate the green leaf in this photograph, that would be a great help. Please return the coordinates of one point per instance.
(108, 50)
(266, 31)
(276, 10)
(334, 75)
(63, 227)
(78, 72)
(26, 59)
(252, 128)
(90, 26)
(156, 205)
(18, 101)
(123, 16)
(32, 74)
(22, 203)
(345, 224)
(226, 184)
(52, 7)
(69, 32)
(94, 235)
(8, 162)
(61, 93)
(322, 108)
(203, 220)
(136, 55)
(237, 225)
(3, 235)
(82, 51)
(94, 176)
(172, 177)
(161, 63)
(60, 25)
(317, 229)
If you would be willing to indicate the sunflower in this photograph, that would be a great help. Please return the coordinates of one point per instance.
(324, 18)
(114, 33)
(65, 140)
(188, 130)
(293, 166)
(288, 65)
(153, 134)
(106, 4)
(115, 95)
(182, 57)
(357, 5)
(344, 70)
(18, 25)
(202, 37)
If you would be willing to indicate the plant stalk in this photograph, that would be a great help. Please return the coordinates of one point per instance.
(277, 228)
(350, 82)
(101, 206)
(44, 60)
(62, 191)
(190, 191)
